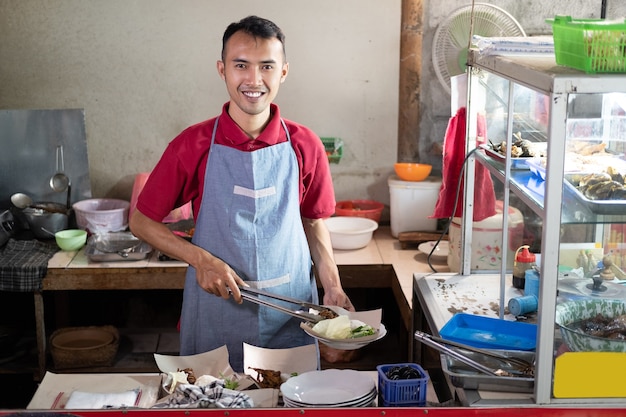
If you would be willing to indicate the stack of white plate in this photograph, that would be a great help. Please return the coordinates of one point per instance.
(329, 388)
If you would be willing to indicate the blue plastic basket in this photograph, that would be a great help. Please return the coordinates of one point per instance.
(401, 392)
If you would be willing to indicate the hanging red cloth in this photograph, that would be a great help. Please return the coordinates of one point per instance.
(453, 159)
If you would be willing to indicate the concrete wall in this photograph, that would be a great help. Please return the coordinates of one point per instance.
(145, 69)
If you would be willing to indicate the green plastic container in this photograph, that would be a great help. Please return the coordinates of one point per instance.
(334, 149)
(591, 45)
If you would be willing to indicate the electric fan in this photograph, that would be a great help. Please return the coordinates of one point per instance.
(452, 36)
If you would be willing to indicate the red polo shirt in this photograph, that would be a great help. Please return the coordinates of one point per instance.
(179, 175)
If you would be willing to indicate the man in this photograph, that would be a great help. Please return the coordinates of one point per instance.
(260, 188)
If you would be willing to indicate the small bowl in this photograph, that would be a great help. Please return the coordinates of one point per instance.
(71, 239)
(410, 171)
(570, 313)
(350, 232)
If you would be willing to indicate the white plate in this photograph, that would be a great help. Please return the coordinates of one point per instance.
(363, 401)
(330, 386)
(346, 344)
(441, 253)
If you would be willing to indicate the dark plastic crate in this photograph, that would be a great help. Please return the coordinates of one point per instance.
(401, 392)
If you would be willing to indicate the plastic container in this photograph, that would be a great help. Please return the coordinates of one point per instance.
(333, 148)
(100, 215)
(518, 306)
(401, 392)
(71, 239)
(348, 233)
(369, 209)
(411, 204)
(490, 332)
(487, 246)
(590, 45)
(524, 260)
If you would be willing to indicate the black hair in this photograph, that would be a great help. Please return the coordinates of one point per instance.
(254, 26)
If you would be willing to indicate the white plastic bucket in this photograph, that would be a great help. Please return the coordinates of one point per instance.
(411, 203)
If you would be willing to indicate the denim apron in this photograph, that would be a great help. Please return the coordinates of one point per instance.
(249, 218)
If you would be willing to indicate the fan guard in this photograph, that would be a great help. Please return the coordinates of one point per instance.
(452, 36)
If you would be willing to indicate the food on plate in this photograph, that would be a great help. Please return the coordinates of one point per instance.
(615, 175)
(267, 378)
(327, 313)
(181, 376)
(602, 186)
(187, 377)
(601, 326)
(191, 377)
(586, 148)
(520, 148)
(230, 383)
(341, 327)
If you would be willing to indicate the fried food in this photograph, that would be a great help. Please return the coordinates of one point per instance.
(267, 378)
(191, 377)
(328, 314)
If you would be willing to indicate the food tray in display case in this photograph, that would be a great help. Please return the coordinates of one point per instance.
(516, 163)
(463, 376)
(617, 206)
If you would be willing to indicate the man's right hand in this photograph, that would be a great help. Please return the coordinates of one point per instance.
(212, 274)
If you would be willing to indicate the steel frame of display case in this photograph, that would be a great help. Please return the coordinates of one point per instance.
(541, 75)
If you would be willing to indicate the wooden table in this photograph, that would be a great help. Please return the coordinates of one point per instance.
(72, 271)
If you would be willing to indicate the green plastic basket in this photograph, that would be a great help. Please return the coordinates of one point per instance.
(590, 45)
(334, 149)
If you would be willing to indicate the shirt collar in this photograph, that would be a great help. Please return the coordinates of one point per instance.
(271, 135)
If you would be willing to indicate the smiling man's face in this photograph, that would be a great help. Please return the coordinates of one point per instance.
(253, 69)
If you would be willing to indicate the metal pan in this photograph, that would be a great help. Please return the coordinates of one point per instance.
(505, 366)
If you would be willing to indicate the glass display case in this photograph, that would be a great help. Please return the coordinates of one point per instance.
(553, 140)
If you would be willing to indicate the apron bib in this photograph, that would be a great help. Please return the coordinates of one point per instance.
(249, 218)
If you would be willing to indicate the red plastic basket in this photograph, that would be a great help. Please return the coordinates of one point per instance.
(401, 392)
(360, 208)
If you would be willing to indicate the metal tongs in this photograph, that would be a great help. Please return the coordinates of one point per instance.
(322, 313)
(519, 367)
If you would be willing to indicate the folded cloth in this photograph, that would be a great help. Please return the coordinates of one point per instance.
(81, 400)
(452, 173)
(23, 264)
(213, 395)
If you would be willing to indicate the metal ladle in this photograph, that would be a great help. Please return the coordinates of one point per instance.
(60, 182)
(21, 200)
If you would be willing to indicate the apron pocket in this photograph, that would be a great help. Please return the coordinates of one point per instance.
(254, 214)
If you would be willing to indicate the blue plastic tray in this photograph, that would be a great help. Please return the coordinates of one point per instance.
(490, 333)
